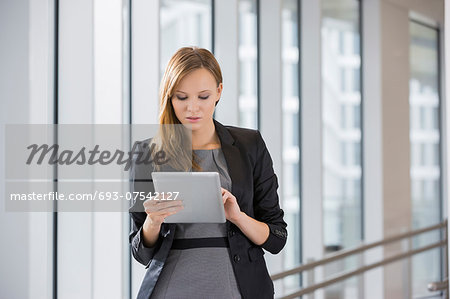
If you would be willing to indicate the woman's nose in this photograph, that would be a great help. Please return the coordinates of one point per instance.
(192, 106)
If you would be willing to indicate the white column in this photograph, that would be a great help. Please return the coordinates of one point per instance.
(372, 144)
(271, 95)
(41, 69)
(226, 46)
(311, 132)
(110, 279)
(145, 61)
(145, 40)
(76, 106)
(26, 251)
(90, 92)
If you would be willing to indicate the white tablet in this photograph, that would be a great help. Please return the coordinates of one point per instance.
(199, 191)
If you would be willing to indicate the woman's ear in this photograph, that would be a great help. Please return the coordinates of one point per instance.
(219, 89)
(219, 93)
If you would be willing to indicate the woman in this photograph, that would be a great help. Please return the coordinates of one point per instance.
(235, 268)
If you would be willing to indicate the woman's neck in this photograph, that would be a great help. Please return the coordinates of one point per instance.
(205, 138)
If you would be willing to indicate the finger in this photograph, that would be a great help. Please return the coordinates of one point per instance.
(150, 200)
(155, 200)
(164, 202)
(162, 197)
(162, 205)
(169, 205)
(171, 213)
(165, 215)
(165, 211)
(226, 195)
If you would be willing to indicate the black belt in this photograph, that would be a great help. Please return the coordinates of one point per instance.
(200, 242)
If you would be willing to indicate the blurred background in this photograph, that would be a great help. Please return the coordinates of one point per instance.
(349, 96)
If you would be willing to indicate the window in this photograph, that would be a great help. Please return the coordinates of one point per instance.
(425, 152)
(291, 149)
(341, 108)
(184, 23)
(248, 60)
(346, 27)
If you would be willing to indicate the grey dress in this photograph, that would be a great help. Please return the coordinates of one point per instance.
(200, 272)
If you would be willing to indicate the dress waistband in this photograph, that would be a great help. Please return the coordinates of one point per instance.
(200, 242)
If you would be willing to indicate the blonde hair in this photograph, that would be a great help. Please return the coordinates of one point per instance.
(172, 138)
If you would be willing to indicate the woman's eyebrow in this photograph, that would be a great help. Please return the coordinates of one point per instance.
(187, 93)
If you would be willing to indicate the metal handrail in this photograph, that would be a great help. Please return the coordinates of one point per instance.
(438, 286)
(360, 249)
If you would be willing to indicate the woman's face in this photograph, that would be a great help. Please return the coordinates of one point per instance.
(195, 98)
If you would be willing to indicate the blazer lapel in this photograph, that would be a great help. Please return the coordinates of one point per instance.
(232, 157)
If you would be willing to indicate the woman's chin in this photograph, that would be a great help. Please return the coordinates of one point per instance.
(192, 126)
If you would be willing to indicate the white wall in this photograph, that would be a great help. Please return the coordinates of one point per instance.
(14, 229)
(87, 242)
(25, 97)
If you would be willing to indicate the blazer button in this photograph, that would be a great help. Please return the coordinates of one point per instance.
(231, 233)
(237, 258)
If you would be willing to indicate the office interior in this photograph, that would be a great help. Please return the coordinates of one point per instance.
(349, 95)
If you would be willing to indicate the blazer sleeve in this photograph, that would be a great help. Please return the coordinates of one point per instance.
(266, 202)
(140, 182)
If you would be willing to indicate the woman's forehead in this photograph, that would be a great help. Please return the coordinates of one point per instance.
(197, 81)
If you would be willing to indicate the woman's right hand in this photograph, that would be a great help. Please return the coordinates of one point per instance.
(158, 208)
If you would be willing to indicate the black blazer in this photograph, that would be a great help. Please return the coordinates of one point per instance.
(254, 184)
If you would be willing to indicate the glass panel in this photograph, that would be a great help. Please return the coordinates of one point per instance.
(290, 104)
(341, 118)
(425, 153)
(248, 61)
(184, 23)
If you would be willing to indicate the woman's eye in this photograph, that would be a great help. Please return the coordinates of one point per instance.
(204, 98)
(181, 98)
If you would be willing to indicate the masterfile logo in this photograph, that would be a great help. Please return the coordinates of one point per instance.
(85, 167)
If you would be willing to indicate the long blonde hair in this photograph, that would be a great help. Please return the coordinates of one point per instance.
(172, 138)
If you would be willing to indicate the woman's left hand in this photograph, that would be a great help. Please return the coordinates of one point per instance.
(232, 210)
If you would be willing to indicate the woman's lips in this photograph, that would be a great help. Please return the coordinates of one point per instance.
(193, 119)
